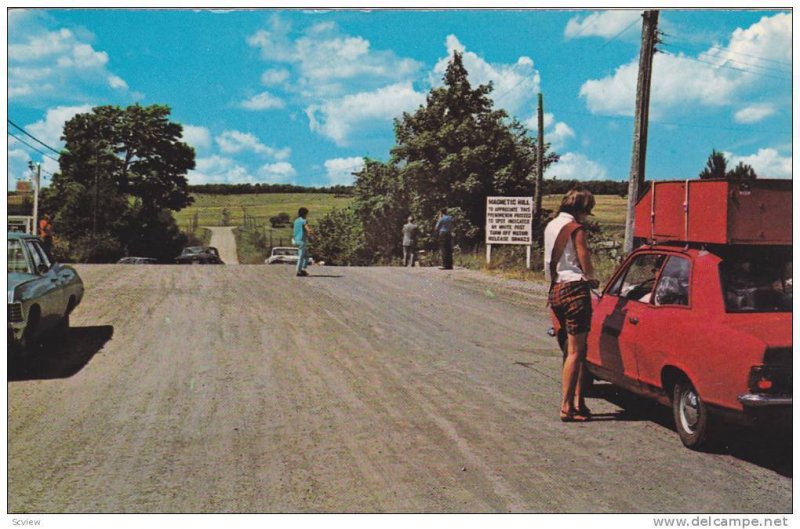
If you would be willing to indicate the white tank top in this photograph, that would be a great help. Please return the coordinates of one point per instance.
(568, 267)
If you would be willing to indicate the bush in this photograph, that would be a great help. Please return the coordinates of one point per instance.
(103, 248)
(339, 239)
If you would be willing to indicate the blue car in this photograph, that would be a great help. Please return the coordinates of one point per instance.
(41, 293)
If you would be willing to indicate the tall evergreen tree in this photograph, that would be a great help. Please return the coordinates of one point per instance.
(716, 166)
(456, 150)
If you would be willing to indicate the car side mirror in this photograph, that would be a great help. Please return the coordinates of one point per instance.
(42, 268)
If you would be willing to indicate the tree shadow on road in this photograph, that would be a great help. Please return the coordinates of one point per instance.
(770, 448)
(62, 356)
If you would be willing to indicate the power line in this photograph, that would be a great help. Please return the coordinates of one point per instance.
(621, 32)
(715, 46)
(716, 66)
(33, 137)
(728, 59)
(32, 147)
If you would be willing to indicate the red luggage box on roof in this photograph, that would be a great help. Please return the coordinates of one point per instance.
(716, 212)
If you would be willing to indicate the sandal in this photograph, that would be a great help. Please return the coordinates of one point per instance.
(573, 416)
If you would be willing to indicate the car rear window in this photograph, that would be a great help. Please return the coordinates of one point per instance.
(757, 280)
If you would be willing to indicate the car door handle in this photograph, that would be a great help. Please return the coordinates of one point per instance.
(633, 319)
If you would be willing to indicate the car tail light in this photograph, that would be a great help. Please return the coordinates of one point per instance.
(770, 379)
(14, 312)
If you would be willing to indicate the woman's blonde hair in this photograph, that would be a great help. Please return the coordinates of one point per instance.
(577, 200)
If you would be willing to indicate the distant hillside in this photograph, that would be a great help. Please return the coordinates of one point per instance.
(249, 189)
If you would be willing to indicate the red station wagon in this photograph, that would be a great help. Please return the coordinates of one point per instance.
(702, 321)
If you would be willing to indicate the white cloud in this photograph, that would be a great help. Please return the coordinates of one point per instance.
(515, 85)
(754, 113)
(606, 24)
(340, 170)
(197, 137)
(555, 133)
(274, 76)
(713, 78)
(263, 101)
(574, 166)
(767, 163)
(325, 60)
(338, 118)
(117, 82)
(234, 141)
(50, 129)
(277, 173)
(218, 170)
(44, 63)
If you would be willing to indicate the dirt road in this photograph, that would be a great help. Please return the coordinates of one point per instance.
(224, 241)
(246, 389)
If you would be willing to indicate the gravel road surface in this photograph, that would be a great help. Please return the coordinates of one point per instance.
(246, 389)
(224, 241)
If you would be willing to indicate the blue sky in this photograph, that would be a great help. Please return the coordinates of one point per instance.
(301, 96)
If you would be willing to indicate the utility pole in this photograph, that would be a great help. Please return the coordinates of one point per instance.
(37, 178)
(636, 180)
(537, 190)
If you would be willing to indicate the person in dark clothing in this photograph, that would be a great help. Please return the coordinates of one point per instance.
(444, 232)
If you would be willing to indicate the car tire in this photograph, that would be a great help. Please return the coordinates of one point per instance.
(691, 416)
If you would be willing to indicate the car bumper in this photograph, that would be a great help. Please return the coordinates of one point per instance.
(753, 400)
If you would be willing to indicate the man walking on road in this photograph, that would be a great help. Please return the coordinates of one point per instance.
(409, 242)
(301, 239)
(444, 231)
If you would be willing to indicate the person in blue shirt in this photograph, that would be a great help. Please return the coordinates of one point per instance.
(301, 238)
(444, 232)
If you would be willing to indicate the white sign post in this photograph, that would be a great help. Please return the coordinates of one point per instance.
(509, 220)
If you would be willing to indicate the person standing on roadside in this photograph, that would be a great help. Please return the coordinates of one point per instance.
(444, 232)
(301, 236)
(409, 241)
(568, 266)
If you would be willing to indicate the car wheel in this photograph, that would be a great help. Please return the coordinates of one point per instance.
(691, 415)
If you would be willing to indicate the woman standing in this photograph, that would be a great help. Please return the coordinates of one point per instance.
(568, 265)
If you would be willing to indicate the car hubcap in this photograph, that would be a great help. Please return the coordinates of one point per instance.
(689, 409)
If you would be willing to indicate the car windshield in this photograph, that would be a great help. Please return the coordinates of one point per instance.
(16, 258)
(192, 250)
(284, 251)
(757, 280)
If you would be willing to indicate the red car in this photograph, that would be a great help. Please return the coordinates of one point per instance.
(703, 328)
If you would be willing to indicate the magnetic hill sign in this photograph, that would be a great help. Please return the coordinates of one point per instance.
(509, 220)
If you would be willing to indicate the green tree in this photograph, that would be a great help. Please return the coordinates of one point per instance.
(742, 172)
(382, 204)
(121, 172)
(717, 167)
(339, 239)
(456, 150)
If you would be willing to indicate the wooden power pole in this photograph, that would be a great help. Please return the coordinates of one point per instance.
(636, 181)
(537, 188)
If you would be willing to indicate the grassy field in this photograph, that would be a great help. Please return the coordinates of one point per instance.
(258, 208)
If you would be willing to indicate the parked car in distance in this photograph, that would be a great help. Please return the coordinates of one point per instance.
(138, 260)
(285, 254)
(703, 328)
(41, 293)
(199, 255)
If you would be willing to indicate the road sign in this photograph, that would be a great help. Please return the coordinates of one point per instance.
(509, 220)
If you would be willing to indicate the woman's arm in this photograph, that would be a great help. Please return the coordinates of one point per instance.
(584, 254)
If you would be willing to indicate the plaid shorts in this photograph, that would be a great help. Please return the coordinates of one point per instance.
(571, 303)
